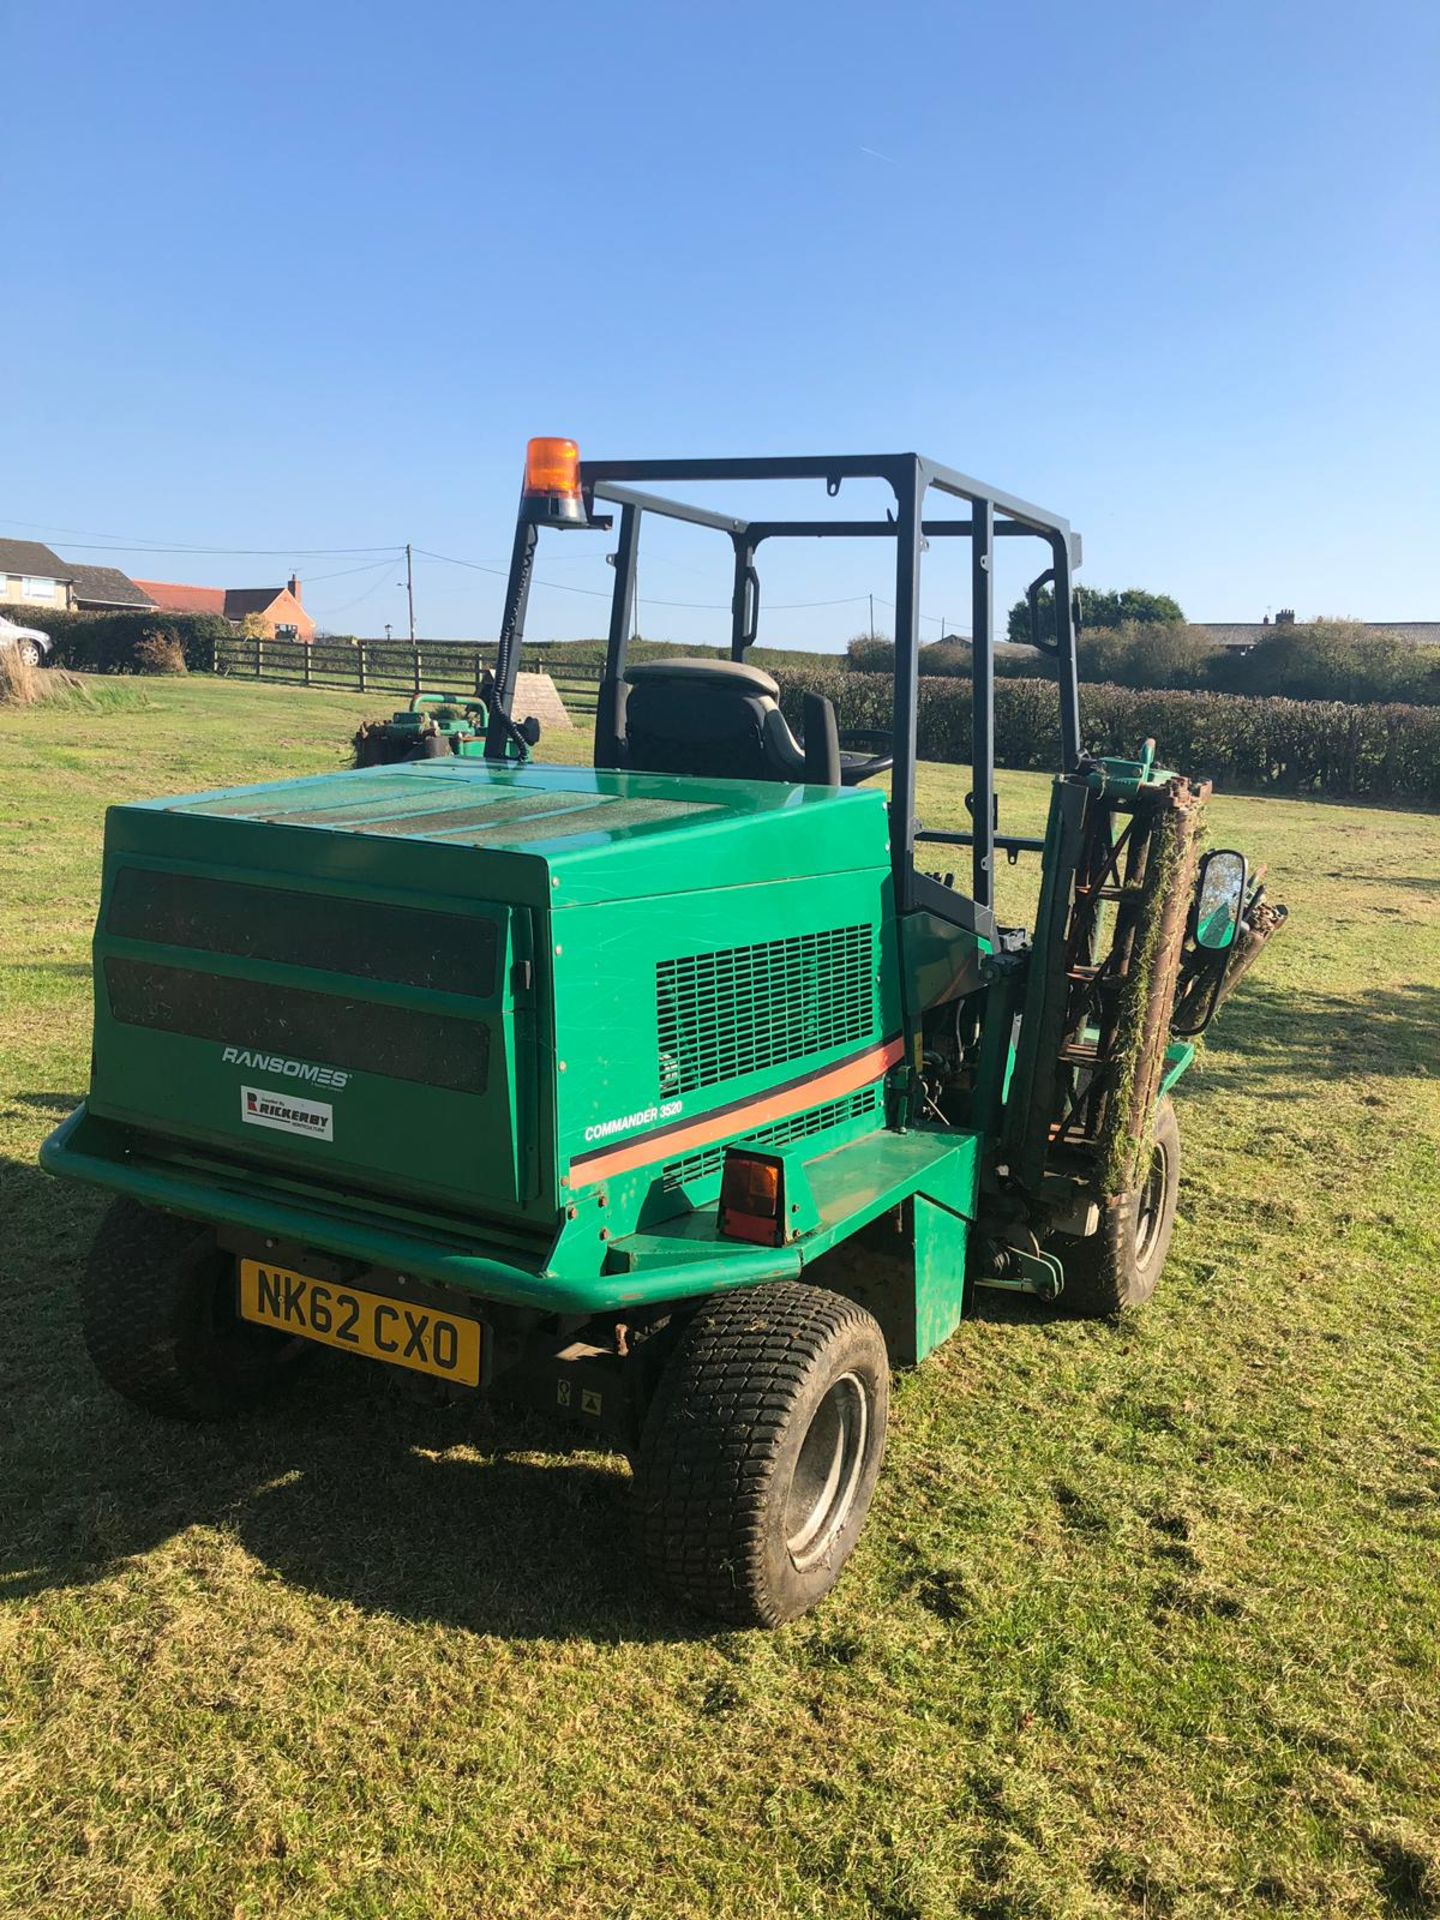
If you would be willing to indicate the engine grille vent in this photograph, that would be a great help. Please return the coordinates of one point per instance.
(799, 1126)
(414, 947)
(746, 1009)
(402, 1043)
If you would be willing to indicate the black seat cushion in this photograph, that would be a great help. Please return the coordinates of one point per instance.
(732, 676)
(715, 718)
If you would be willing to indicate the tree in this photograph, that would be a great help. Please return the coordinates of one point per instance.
(870, 653)
(1336, 660)
(1161, 654)
(1110, 610)
(947, 659)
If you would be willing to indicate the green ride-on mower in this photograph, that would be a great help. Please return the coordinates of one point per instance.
(433, 725)
(673, 1096)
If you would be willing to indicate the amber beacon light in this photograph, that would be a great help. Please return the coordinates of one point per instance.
(552, 480)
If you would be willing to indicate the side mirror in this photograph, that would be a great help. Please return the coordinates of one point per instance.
(1219, 899)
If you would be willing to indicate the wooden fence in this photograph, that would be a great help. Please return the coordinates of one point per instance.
(390, 666)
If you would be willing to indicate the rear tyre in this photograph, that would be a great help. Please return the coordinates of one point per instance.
(30, 653)
(1116, 1269)
(160, 1324)
(431, 746)
(760, 1452)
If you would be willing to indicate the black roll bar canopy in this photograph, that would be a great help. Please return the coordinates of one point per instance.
(993, 515)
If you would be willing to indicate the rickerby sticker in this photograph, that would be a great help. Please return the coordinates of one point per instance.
(287, 1113)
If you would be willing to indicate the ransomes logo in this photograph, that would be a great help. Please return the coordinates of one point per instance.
(291, 1069)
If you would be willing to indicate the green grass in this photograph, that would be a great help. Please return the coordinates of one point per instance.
(1145, 1622)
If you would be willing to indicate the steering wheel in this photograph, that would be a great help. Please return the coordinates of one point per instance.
(875, 743)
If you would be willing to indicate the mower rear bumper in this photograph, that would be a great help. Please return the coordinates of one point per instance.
(97, 1153)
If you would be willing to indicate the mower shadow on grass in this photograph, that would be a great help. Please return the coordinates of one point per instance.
(463, 1516)
(63, 969)
(355, 1485)
(59, 1104)
(1279, 1032)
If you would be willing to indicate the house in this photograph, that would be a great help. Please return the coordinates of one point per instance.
(1239, 636)
(170, 598)
(279, 608)
(105, 590)
(32, 576)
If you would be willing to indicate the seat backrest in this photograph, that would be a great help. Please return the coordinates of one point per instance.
(719, 718)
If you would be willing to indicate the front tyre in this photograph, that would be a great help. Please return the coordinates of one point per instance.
(760, 1452)
(1116, 1268)
(30, 653)
(158, 1308)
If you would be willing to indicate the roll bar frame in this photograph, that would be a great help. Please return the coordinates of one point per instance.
(994, 515)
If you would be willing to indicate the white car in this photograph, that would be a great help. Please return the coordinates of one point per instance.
(32, 645)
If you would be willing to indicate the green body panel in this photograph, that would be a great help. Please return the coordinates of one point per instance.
(604, 962)
(904, 1244)
(941, 961)
(683, 1258)
(1179, 1058)
(941, 1240)
(407, 1135)
(617, 975)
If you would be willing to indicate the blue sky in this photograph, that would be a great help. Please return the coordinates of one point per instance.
(306, 277)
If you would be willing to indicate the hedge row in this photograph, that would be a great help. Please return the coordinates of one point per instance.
(1263, 745)
(126, 642)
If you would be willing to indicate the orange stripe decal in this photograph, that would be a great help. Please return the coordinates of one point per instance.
(829, 1084)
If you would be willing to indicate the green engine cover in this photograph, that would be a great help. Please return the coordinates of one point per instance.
(536, 999)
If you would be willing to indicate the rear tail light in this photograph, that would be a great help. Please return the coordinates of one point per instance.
(752, 1197)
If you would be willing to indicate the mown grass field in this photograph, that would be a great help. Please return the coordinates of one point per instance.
(1146, 1621)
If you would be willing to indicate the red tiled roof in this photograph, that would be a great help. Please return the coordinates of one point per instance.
(175, 599)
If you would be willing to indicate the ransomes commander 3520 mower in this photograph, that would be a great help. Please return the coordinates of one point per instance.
(674, 1096)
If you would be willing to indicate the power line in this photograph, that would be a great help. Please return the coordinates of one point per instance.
(960, 633)
(502, 573)
(272, 553)
(345, 573)
(602, 593)
(333, 613)
(119, 543)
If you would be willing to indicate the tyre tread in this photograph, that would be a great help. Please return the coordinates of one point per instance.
(1101, 1275)
(713, 1433)
(142, 1302)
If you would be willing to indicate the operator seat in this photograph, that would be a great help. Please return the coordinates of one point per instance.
(718, 718)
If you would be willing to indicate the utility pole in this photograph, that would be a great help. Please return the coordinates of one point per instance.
(410, 588)
(872, 616)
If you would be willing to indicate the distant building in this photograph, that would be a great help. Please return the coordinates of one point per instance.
(170, 598)
(1239, 636)
(279, 608)
(105, 590)
(32, 576)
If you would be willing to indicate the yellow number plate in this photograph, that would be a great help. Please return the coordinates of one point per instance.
(358, 1322)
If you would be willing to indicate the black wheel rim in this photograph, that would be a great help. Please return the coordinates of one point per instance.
(827, 1471)
(1150, 1208)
